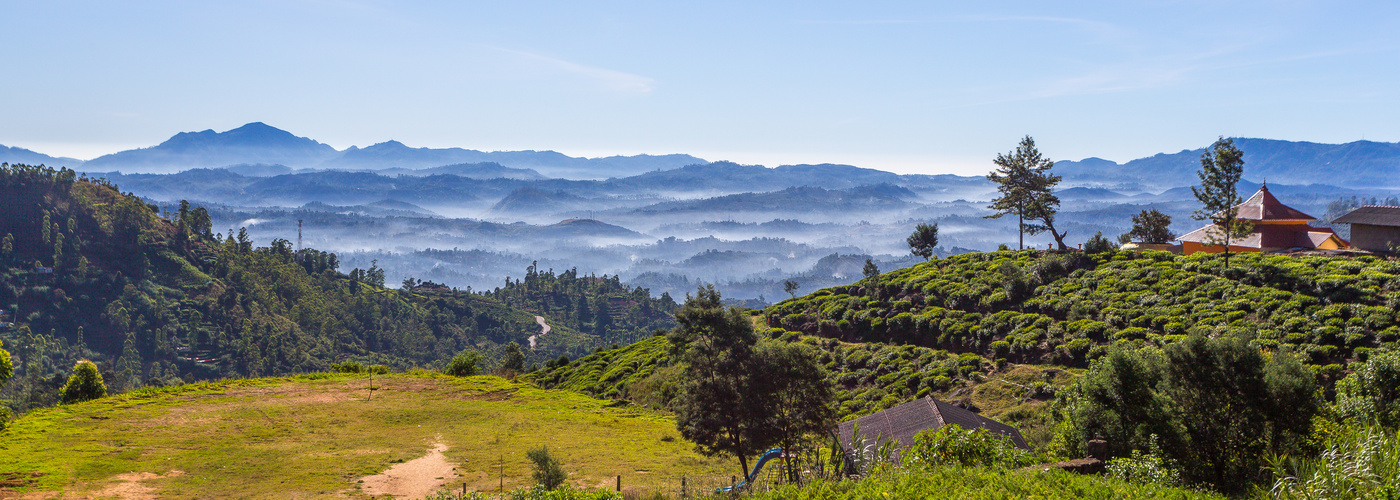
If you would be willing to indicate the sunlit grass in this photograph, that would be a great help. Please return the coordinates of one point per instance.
(317, 435)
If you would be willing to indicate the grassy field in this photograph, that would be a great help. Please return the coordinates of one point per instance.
(317, 435)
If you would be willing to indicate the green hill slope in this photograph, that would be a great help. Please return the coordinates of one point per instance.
(317, 436)
(157, 299)
(1051, 308)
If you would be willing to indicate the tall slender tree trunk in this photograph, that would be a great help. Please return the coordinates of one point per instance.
(1020, 230)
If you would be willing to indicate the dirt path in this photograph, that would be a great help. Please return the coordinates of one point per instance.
(545, 330)
(415, 478)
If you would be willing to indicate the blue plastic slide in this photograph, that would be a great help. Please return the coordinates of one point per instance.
(768, 455)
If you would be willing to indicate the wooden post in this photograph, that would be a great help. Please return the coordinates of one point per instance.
(619, 483)
(683, 487)
(503, 472)
(464, 490)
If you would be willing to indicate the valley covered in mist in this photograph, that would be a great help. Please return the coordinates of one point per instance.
(470, 219)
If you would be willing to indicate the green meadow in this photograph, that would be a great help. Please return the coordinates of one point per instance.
(316, 435)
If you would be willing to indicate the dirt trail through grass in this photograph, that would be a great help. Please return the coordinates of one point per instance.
(544, 330)
(415, 478)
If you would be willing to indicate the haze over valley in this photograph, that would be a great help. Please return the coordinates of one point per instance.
(467, 218)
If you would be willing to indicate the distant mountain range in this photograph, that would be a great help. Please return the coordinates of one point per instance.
(260, 144)
(1360, 164)
(260, 150)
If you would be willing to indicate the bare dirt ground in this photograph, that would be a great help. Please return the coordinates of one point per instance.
(544, 330)
(413, 479)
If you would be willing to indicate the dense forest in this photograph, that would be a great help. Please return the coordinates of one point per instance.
(156, 297)
(601, 306)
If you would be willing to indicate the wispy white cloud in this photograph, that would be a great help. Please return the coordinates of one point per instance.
(609, 79)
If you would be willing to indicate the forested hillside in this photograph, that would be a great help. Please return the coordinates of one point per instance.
(89, 272)
(601, 306)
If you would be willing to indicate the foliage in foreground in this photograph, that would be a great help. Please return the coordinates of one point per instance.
(1216, 407)
(952, 445)
(531, 493)
(980, 483)
(1359, 462)
(547, 471)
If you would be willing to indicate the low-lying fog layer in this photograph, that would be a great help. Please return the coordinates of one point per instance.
(745, 229)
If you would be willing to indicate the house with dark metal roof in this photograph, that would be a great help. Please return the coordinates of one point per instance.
(901, 423)
(1276, 227)
(1373, 227)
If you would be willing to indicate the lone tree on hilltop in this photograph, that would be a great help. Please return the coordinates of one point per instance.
(1222, 165)
(791, 287)
(924, 239)
(85, 384)
(1152, 226)
(1026, 185)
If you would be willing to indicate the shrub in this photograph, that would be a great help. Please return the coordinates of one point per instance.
(547, 471)
(467, 363)
(1372, 392)
(84, 385)
(953, 445)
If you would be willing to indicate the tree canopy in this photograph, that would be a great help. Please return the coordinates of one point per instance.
(1027, 191)
(1152, 226)
(1222, 165)
(924, 239)
(85, 384)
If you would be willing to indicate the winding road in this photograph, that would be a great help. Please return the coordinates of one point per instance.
(544, 329)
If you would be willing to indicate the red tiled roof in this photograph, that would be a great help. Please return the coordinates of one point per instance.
(1269, 236)
(1264, 206)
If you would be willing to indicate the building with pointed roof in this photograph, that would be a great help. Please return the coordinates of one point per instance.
(1373, 227)
(1276, 227)
(901, 423)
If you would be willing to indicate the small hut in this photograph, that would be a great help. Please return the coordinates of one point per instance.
(901, 423)
(1373, 227)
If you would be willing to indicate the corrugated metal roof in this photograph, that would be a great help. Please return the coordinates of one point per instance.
(902, 422)
(1375, 215)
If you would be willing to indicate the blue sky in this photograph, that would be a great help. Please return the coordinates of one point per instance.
(912, 87)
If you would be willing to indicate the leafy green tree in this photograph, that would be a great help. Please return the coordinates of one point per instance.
(7, 246)
(1221, 168)
(1372, 392)
(84, 385)
(464, 364)
(1098, 244)
(801, 399)
(871, 271)
(790, 287)
(923, 241)
(1152, 226)
(514, 358)
(1217, 407)
(720, 405)
(7, 365)
(1027, 190)
(547, 470)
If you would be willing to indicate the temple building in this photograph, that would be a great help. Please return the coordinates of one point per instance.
(1276, 227)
